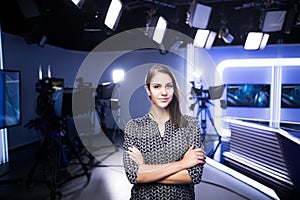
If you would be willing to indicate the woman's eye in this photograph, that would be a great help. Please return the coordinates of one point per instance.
(156, 86)
(169, 86)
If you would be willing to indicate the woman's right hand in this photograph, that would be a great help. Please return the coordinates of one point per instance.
(193, 157)
(135, 155)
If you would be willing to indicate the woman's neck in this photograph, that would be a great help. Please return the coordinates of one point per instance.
(160, 115)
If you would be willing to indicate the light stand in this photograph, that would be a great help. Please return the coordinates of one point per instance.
(105, 107)
(118, 131)
(118, 76)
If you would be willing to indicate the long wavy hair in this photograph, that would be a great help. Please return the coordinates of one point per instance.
(174, 107)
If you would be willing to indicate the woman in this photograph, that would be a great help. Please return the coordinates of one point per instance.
(163, 158)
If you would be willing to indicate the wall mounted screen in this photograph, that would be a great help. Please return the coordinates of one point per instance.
(248, 95)
(9, 98)
(290, 96)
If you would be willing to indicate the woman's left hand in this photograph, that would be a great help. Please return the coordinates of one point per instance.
(135, 155)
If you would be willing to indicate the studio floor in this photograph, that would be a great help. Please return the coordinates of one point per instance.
(107, 180)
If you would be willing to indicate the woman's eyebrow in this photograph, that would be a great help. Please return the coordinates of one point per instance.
(161, 83)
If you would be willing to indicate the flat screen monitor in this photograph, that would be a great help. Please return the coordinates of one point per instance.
(10, 98)
(248, 95)
(290, 96)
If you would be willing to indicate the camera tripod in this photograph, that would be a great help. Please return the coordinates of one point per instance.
(202, 114)
(55, 138)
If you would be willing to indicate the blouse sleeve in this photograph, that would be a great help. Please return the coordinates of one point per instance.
(130, 166)
(194, 135)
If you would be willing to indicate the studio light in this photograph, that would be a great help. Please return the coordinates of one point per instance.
(272, 21)
(256, 40)
(113, 14)
(264, 41)
(210, 40)
(198, 15)
(204, 38)
(78, 3)
(200, 38)
(156, 29)
(225, 35)
(160, 30)
(118, 75)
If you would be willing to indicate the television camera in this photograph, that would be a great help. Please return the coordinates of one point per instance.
(50, 96)
(49, 85)
(55, 135)
(213, 92)
(202, 99)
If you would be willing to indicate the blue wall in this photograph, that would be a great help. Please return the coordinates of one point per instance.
(65, 64)
(19, 55)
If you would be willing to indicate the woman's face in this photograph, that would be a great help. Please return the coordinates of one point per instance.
(161, 90)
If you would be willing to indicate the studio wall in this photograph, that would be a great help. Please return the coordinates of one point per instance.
(69, 64)
(65, 64)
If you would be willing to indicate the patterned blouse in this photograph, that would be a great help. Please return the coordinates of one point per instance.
(143, 133)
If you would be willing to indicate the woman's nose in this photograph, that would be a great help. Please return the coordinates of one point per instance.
(164, 91)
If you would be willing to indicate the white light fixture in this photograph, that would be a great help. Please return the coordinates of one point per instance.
(198, 15)
(256, 40)
(156, 28)
(113, 14)
(272, 21)
(200, 38)
(78, 3)
(264, 41)
(160, 30)
(210, 40)
(118, 75)
(204, 38)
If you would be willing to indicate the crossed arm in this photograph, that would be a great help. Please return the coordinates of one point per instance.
(170, 173)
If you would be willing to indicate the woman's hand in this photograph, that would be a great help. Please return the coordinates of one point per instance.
(135, 155)
(193, 157)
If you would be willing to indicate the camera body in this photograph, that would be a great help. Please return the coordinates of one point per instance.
(49, 101)
(49, 85)
(199, 93)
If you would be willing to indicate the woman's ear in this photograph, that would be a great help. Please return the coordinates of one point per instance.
(147, 90)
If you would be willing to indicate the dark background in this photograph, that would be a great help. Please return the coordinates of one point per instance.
(61, 23)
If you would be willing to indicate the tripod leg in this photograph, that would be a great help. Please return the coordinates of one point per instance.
(54, 161)
(74, 150)
(39, 158)
(219, 142)
(219, 139)
(211, 120)
(202, 115)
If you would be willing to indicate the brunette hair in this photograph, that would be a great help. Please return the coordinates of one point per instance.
(174, 107)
